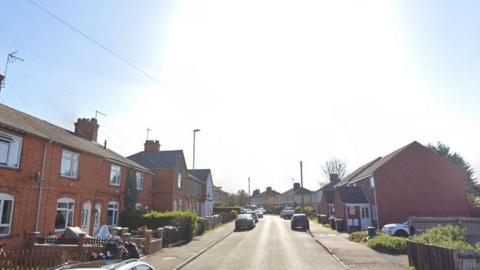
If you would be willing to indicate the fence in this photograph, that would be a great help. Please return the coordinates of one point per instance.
(470, 225)
(32, 259)
(427, 257)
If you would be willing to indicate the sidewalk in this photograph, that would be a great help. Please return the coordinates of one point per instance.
(173, 257)
(355, 255)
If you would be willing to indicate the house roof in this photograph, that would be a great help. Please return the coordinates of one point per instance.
(369, 168)
(25, 123)
(201, 174)
(269, 193)
(330, 185)
(293, 192)
(158, 159)
(352, 194)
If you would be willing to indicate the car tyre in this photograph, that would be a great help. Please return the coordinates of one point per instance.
(306, 228)
(401, 233)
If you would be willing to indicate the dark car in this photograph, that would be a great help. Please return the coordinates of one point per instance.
(300, 221)
(244, 221)
(254, 215)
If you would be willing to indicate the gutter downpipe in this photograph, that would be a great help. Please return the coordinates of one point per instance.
(42, 180)
(376, 204)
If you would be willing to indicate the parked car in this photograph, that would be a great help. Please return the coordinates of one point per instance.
(108, 265)
(287, 212)
(244, 221)
(300, 221)
(254, 215)
(263, 210)
(397, 229)
(259, 213)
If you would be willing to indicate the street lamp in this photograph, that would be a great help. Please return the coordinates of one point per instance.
(193, 166)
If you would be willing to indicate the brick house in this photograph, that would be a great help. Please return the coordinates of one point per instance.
(205, 175)
(170, 182)
(51, 178)
(294, 195)
(266, 199)
(220, 196)
(196, 193)
(411, 181)
(324, 197)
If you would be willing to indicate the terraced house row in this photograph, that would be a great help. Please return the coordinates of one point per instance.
(51, 178)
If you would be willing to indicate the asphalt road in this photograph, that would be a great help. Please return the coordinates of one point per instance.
(271, 245)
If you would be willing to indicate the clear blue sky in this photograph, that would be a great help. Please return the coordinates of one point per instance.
(268, 82)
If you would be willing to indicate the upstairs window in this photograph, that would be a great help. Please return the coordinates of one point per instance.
(179, 181)
(10, 148)
(65, 209)
(115, 171)
(139, 181)
(6, 211)
(69, 166)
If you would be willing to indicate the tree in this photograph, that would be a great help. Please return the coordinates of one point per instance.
(445, 151)
(335, 166)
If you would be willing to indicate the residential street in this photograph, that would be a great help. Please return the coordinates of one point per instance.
(271, 245)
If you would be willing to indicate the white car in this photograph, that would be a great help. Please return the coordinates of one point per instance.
(397, 229)
(109, 265)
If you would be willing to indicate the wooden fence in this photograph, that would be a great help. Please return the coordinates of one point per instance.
(32, 259)
(427, 257)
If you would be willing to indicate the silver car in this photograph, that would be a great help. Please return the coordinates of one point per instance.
(109, 265)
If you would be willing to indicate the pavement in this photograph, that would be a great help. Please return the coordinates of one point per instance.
(356, 256)
(271, 245)
(171, 258)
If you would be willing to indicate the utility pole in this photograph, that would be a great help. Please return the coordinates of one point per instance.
(249, 201)
(193, 165)
(11, 58)
(301, 184)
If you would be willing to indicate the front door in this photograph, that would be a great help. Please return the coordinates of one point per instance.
(97, 218)
(365, 219)
(85, 218)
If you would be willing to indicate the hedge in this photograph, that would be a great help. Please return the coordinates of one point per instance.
(218, 210)
(154, 220)
(444, 236)
(388, 244)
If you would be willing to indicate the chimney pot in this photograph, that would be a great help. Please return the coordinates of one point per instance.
(152, 146)
(269, 189)
(87, 129)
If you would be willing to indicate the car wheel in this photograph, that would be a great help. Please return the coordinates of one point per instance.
(306, 228)
(401, 233)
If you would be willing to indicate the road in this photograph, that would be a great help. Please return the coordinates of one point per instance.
(271, 245)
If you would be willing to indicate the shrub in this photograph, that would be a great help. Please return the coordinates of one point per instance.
(223, 210)
(388, 244)
(234, 214)
(308, 210)
(327, 226)
(298, 209)
(358, 236)
(277, 210)
(444, 236)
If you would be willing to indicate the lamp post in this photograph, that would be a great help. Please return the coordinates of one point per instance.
(193, 166)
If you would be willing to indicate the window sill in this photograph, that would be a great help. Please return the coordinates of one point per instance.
(114, 185)
(5, 236)
(10, 168)
(59, 230)
(69, 177)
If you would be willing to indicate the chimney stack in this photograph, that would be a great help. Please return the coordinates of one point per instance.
(333, 177)
(269, 189)
(152, 146)
(296, 186)
(87, 129)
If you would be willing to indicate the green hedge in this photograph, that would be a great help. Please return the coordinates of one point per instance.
(444, 236)
(388, 244)
(154, 220)
(358, 236)
(218, 210)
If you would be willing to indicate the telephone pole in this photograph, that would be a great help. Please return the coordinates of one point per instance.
(301, 184)
(249, 201)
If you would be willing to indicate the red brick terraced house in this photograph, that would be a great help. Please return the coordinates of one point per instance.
(170, 182)
(411, 181)
(196, 194)
(51, 178)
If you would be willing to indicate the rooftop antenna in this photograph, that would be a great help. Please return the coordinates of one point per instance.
(148, 131)
(11, 58)
(97, 113)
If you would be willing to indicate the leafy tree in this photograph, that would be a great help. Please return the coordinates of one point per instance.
(445, 151)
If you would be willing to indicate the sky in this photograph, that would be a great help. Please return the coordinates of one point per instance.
(268, 82)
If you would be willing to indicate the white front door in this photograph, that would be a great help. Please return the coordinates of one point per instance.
(96, 218)
(365, 218)
(85, 218)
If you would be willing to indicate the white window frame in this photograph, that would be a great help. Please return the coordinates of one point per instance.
(140, 180)
(113, 206)
(115, 175)
(371, 182)
(6, 197)
(138, 206)
(14, 148)
(73, 159)
(179, 181)
(69, 212)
